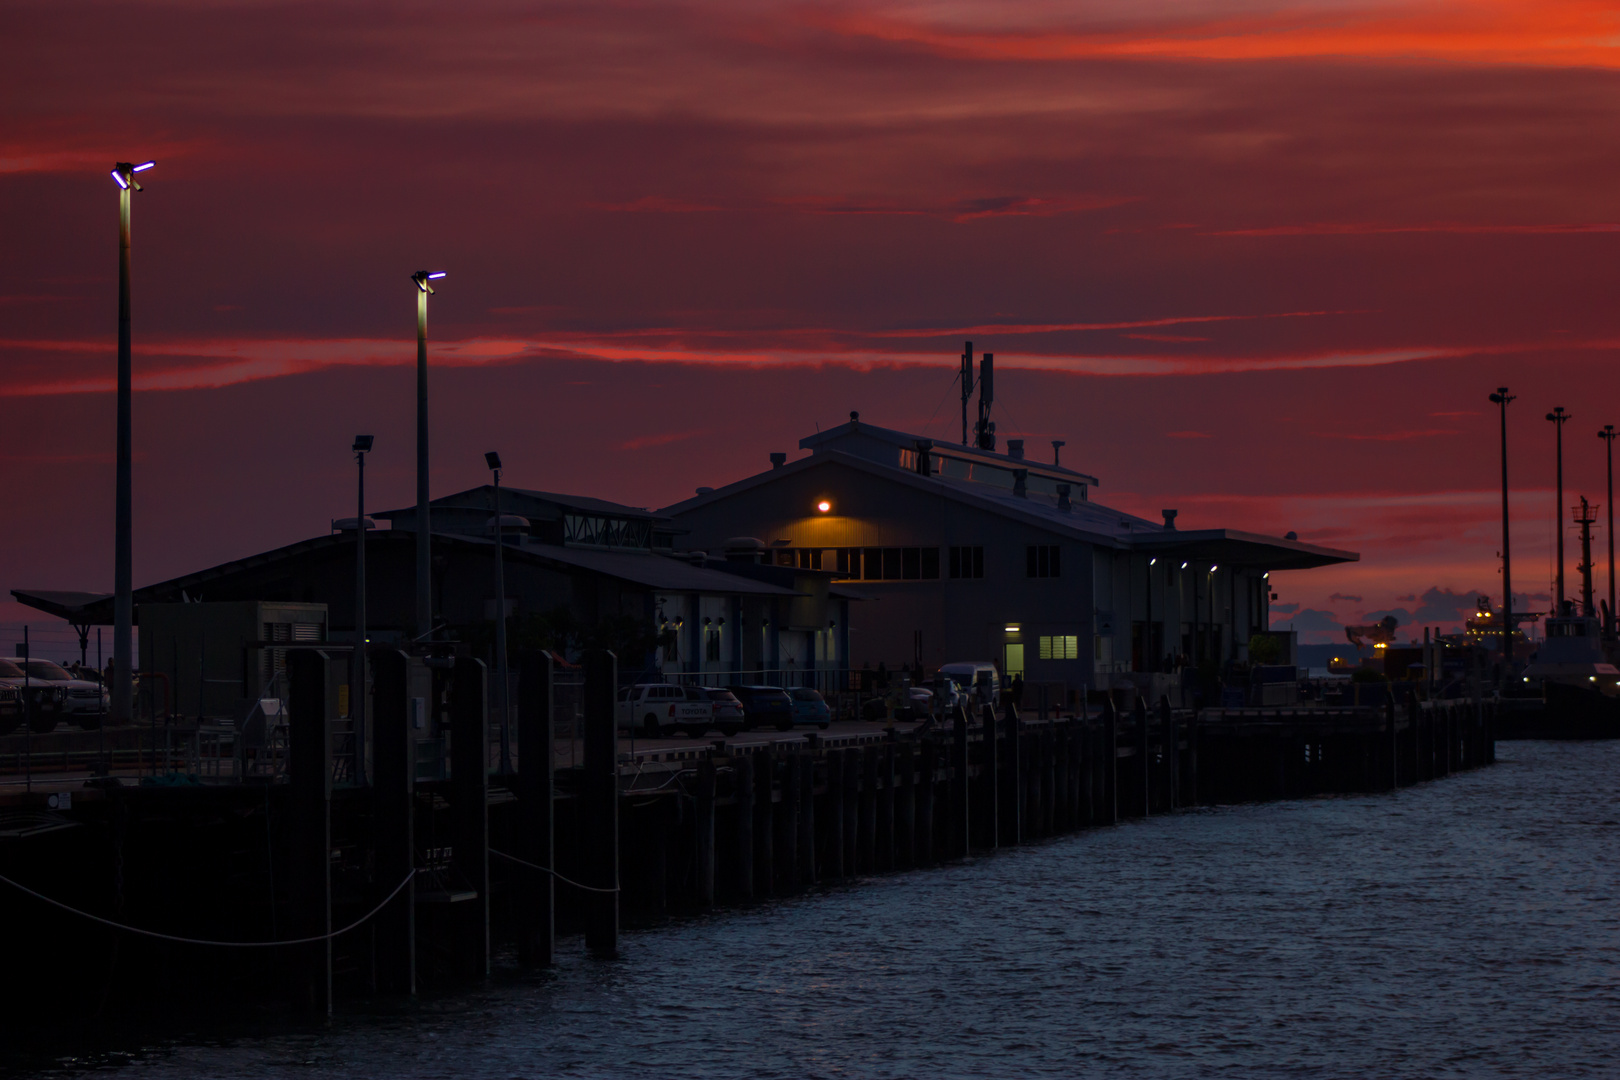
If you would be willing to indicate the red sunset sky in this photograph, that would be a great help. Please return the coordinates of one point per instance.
(1261, 262)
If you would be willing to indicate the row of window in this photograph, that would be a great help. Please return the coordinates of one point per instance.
(913, 563)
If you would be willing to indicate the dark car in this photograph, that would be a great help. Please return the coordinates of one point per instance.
(765, 706)
(42, 703)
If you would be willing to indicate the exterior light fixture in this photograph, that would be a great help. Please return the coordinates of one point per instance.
(1184, 566)
(824, 506)
(424, 526)
(1153, 562)
(1013, 628)
(1213, 568)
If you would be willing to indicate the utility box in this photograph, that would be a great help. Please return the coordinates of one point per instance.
(215, 660)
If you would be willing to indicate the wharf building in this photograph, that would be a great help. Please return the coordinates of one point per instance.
(578, 561)
(972, 555)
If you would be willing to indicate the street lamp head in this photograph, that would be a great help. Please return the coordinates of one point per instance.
(1558, 415)
(143, 166)
(123, 173)
(362, 444)
(1501, 397)
(422, 277)
(1609, 433)
(493, 460)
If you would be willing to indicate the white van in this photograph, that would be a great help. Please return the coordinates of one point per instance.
(653, 709)
(978, 679)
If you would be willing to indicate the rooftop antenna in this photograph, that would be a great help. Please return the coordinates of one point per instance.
(986, 428)
(1057, 447)
(967, 385)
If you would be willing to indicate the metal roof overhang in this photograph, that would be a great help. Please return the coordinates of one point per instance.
(1232, 548)
(79, 608)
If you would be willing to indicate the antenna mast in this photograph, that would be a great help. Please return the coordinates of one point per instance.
(967, 385)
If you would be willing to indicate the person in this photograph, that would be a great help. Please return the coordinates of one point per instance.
(1018, 690)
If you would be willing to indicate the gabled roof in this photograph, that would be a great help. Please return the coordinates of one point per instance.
(1084, 520)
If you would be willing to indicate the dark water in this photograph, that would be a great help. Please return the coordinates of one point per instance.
(1468, 927)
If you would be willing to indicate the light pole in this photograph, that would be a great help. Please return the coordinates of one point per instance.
(1559, 418)
(1608, 435)
(493, 460)
(123, 687)
(424, 530)
(1501, 399)
(357, 681)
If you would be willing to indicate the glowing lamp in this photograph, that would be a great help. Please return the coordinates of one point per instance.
(824, 506)
(1013, 628)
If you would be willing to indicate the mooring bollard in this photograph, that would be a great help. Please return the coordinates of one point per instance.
(536, 833)
(309, 804)
(601, 805)
(743, 767)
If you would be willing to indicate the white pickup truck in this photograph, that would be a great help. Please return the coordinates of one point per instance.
(654, 709)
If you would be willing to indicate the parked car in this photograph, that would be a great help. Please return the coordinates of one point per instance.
(765, 706)
(809, 707)
(728, 711)
(654, 709)
(42, 703)
(87, 701)
(11, 710)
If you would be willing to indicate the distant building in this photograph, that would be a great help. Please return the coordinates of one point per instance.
(975, 555)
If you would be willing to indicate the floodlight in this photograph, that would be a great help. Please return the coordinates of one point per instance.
(436, 276)
(824, 506)
(1213, 568)
(493, 460)
(118, 176)
(143, 167)
(1184, 566)
(362, 444)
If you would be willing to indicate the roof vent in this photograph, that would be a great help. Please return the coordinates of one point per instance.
(1063, 497)
(1021, 483)
(697, 558)
(1057, 445)
(778, 460)
(1290, 535)
(705, 491)
(1169, 518)
(1015, 448)
(347, 524)
(854, 417)
(745, 549)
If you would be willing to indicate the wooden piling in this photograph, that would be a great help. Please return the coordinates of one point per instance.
(743, 769)
(469, 811)
(1048, 781)
(536, 832)
(788, 822)
(960, 817)
(703, 833)
(905, 820)
(1013, 826)
(1110, 761)
(834, 805)
(309, 831)
(989, 781)
(1172, 754)
(885, 807)
(1144, 755)
(807, 820)
(601, 804)
(765, 770)
(868, 809)
(393, 778)
(852, 812)
(925, 800)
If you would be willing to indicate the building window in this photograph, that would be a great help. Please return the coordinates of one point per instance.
(967, 562)
(809, 558)
(1060, 647)
(1044, 560)
(887, 564)
(711, 645)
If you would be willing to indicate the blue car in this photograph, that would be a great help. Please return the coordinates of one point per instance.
(809, 707)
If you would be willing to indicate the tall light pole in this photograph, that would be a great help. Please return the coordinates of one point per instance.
(1608, 435)
(123, 687)
(1559, 418)
(357, 680)
(1501, 398)
(493, 460)
(424, 529)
